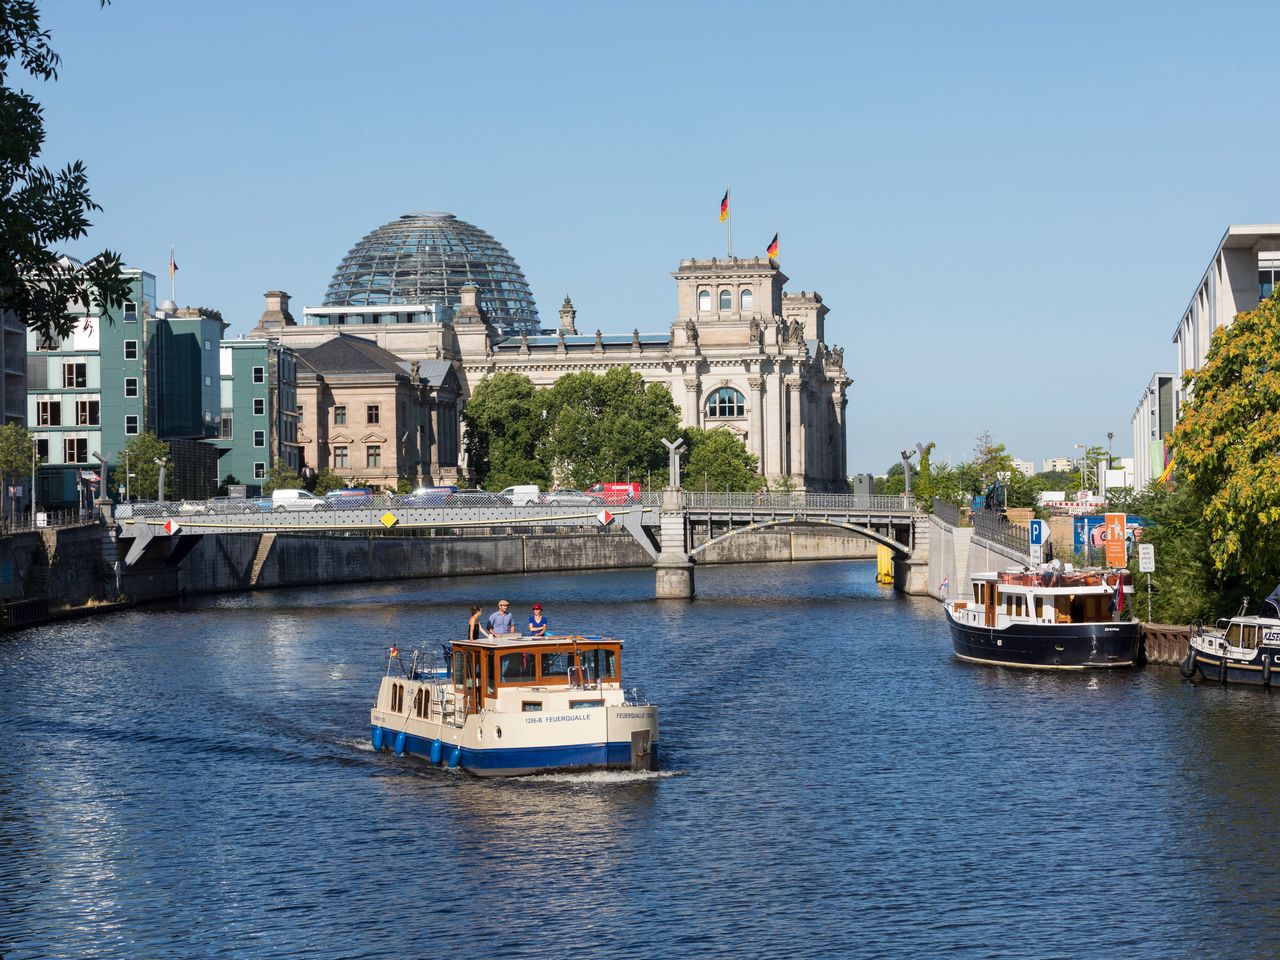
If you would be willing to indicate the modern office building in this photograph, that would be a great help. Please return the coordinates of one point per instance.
(1025, 467)
(1152, 423)
(258, 423)
(135, 368)
(13, 361)
(1244, 269)
(741, 354)
(1059, 465)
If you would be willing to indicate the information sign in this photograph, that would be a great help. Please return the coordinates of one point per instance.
(1146, 558)
(1117, 555)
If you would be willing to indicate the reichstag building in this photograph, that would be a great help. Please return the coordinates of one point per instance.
(450, 305)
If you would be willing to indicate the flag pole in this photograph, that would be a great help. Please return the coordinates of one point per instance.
(729, 221)
(172, 294)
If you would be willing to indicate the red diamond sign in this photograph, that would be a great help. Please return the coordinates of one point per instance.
(171, 527)
(605, 518)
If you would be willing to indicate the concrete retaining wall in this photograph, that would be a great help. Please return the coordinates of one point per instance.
(789, 543)
(956, 552)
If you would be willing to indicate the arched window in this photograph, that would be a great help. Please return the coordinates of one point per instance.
(704, 301)
(726, 300)
(746, 301)
(726, 402)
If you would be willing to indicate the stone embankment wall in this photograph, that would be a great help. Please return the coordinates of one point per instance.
(957, 552)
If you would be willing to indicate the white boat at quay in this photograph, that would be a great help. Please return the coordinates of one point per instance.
(516, 705)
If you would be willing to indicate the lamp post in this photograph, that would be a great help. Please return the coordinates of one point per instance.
(161, 462)
(906, 472)
(34, 457)
(1083, 460)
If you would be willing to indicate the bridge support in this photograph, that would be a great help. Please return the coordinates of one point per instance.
(673, 571)
(911, 572)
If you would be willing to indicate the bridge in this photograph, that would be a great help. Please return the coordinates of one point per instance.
(663, 523)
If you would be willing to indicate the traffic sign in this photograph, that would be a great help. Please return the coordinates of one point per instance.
(1146, 558)
(1037, 530)
(172, 526)
(605, 518)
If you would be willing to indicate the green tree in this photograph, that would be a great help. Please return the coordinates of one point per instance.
(1226, 447)
(15, 457)
(605, 427)
(719, 459)
(326, 480)
(139, 459)
(38, 207)
(281, 476)
(505, 431)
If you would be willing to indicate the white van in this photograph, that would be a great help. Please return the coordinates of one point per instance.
(296, 500)
(522, 493)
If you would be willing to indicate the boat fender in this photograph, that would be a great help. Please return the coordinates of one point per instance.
(400, 741)
(437, 751)
(1188, 666)
(377, 739)
(455, 756)
(1266, 671)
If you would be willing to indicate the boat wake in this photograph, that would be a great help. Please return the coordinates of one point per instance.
(604, 777)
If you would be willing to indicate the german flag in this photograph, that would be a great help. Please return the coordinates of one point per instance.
(773, 248)
(724, 207)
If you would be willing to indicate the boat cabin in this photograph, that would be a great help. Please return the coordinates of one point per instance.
(1043, 598)
(522, 674)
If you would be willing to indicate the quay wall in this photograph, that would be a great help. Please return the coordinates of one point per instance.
(955, 552)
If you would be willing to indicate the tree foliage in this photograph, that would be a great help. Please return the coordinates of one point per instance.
(15, 456)
(718, 460)
(1227, 447)
(40, 208)
(281, 476)
(583, 429)
(325, 481)
(139, 459)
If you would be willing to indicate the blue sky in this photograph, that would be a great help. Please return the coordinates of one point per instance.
(1006, 207)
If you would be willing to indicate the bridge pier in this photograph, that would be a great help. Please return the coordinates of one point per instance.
(673, 570)
(911, 572)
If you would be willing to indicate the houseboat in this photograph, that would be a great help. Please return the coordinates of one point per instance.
(1052, 617)
(1243, 649)
(516, 705)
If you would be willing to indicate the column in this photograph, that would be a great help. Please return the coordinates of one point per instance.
(796, 466)
(692, 407)
(776, 431)
(757, 445)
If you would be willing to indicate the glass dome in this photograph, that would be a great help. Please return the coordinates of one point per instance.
(427, 258)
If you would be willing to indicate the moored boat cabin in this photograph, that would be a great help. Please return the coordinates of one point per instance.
(1050, 598)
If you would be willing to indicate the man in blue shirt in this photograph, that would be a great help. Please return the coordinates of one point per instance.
(501, 621)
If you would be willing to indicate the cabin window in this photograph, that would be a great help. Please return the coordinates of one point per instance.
(977, 593)
(397, 697)
(1249, 638)
(531, 706)
(491, 680)
(600, 663)
(585, 704)
(420, 702)
(1008, 606)
(556, 665)
(519, 667)
(1039, 608)
(1233, 635)
(1062, 609)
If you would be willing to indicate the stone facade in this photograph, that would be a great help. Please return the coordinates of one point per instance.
(741, 354)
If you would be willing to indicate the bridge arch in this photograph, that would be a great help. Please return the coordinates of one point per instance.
(901, 549)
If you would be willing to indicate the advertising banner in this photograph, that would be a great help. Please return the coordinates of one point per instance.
(1117, 555)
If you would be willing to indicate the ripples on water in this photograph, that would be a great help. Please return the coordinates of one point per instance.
(197, 782)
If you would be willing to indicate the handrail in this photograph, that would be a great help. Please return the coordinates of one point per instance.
(995, 528)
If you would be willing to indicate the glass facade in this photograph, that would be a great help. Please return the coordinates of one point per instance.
(426, 258)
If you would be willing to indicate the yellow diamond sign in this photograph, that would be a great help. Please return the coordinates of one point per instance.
(389, 519)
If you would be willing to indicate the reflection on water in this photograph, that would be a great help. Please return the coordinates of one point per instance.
(197, 781)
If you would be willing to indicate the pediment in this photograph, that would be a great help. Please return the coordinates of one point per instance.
(372, 437)
(340, 438)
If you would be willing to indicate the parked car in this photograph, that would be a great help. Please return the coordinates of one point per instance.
(616, 492)
(425, 497)
(476, 498)
(573, 497)
(232, 505)
(522, 494)
(349, 498)
(189, 507)
(282, 500)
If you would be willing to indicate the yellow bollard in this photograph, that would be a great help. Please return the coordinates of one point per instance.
(884, 564)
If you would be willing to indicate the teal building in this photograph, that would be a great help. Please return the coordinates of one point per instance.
(258, 420)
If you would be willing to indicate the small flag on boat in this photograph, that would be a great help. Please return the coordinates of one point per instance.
(946, 582)
(395, 651)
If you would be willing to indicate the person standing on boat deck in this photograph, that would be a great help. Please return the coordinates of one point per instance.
(537, 622)
(474, 628)
(501, 622)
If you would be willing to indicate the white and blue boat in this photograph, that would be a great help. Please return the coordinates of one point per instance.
(516, 705)
(1242, 649)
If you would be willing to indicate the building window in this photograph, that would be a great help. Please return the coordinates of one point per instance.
(208, 381)
(259, 438)
(371, 413)
(50, 341)
(130, 312)
(75, 449)
(704, 301)
(130, 386)
(42, 449)
(259, 407)
(726, 402)
(131, 424)
(227, 429)
(131, 349)
(259, 470)
(340, 458)
(75, 375)
(726, 300)
(86, 413)
(339, 415)
(1268, 280)
(746, 301)
(259, 374)
(49, 413)
(373, 455)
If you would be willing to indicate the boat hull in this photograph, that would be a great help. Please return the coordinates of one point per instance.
(1250, 672)
(1077, 646)
(521, 761)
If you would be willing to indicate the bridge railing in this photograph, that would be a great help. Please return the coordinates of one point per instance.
(853, 503)
(947, 512)
(993, 527)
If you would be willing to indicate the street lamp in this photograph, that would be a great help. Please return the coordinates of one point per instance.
(1083, 461)
(906, 471)
(161, 462)
(35, 445)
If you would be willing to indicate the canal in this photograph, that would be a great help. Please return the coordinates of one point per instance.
(196, 781)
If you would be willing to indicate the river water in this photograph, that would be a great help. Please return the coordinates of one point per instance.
(196, 782)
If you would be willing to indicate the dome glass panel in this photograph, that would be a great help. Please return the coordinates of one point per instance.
(427, 258)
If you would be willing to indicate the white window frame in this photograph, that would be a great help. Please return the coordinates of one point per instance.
(134, 418)
(259, 406)
(259, 470)
(130, 381)
(134, 345)
(259, 374)
(259, 438)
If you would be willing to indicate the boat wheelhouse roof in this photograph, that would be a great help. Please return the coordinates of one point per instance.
(523, 643)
